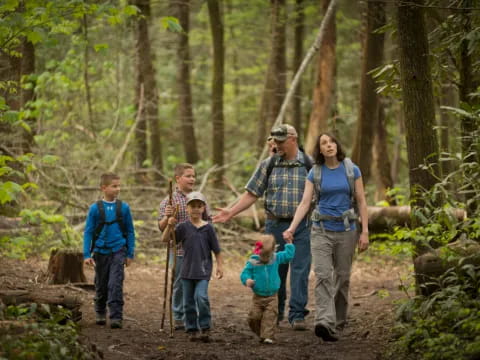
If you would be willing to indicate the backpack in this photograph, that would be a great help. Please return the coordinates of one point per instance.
(102, 222)
(350, 214)
(273, 163)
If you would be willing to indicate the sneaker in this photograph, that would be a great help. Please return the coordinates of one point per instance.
(100, 319)
(193, 336)
(268, 341)
(179, 325)
(116, 324)
(322, 332)
(205, 336)
(299, 325)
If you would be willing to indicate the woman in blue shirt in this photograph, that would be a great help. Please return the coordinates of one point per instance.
(334, 235)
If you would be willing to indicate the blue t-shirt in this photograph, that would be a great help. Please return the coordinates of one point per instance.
(198, 244)
(335, 195)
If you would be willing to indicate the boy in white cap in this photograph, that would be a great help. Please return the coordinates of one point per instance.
(199, 240)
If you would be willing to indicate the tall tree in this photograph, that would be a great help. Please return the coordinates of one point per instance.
(216, 26)
(323, 92)
(417, 95)
(275, 81)
(369, 99)
(297, 61)
(182, 11)
(28, 92)
(146, 92)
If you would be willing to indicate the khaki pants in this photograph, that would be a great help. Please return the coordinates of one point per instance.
(332, 254)
(262, 317)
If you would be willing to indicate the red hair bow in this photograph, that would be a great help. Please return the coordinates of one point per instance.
(258, 248)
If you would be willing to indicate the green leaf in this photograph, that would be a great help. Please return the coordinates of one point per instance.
(9, 191)
(100, 47)
(34, 36)
(171, 23)
(50, 159)
(130, 10)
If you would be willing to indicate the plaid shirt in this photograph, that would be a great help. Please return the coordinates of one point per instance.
(285, 186)
(181, 199)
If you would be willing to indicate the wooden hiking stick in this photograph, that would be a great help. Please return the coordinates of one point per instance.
(166, 238)
(172, 280)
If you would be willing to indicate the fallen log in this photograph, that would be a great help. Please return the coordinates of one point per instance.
(380, 218)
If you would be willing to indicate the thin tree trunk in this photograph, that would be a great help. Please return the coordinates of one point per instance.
(382, 161)
(216, 26)
(86, 77)
(369, 99)
(184, 85)
(418, 103)
(297, 61)
(28, 93)
(447, 124)
(275, 83)
(325, 83)
(149, 115)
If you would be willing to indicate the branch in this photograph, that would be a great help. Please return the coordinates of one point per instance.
(130, 133)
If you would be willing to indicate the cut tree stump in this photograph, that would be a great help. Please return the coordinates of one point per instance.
(65, 266)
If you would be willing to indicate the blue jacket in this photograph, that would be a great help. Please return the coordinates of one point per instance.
(111, 238)
(267, 280)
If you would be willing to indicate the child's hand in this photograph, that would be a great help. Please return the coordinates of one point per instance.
(128, 261)
(169, 210)
(219, 273)
(89, 262)
(250, 283)
(288, 236)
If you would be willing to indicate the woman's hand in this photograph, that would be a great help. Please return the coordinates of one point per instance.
(363, 242)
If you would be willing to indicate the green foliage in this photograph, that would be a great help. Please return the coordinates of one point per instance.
(445, 325)
(41, 332)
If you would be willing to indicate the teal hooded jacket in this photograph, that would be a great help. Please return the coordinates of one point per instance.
(265, 275)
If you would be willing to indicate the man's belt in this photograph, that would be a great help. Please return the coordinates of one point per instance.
(280, 219)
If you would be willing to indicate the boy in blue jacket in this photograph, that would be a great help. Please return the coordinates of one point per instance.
(108, 245)
(261, 274)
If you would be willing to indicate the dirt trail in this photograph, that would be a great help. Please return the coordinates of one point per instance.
(374, 287)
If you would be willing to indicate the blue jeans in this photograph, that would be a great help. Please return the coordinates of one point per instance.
(300, 268)
(195, 296)
(109, 275)
(177, 297)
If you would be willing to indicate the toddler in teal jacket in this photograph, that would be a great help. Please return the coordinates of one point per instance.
(261, 275)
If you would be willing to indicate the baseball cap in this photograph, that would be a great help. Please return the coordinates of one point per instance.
(196, 195)
(282, 132)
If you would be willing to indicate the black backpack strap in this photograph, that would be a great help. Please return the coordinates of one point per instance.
(100, 225)
(119, 218)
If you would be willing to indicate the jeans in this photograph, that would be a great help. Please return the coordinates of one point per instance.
(109, 275)
(299, 268)
(177, 297)
(195, 296)
(332, 258)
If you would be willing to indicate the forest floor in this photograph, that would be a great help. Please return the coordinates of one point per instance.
(374, 290)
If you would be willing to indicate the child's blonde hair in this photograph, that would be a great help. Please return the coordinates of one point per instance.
(268, 247)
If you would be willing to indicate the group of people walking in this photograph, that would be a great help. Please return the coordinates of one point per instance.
(311, 207)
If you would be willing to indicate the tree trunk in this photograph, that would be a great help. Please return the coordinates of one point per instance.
(275, 83)
(146, 80)
(382, 161)
(216, 26)
(297, 61)
(28, 93)
(469, 83)
(184, 86)
(447, 124)
(324, 85)
(65, 267)
(369, 99)
(419, 107)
